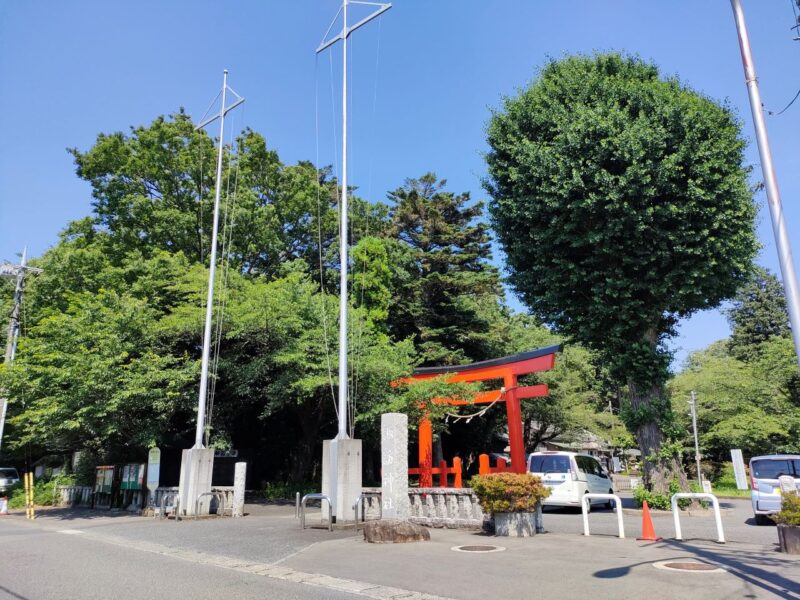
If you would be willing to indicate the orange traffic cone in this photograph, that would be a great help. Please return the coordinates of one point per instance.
(648, 532)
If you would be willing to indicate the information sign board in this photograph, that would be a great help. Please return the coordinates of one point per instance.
(738, 469)
(104, 479)
(153, 469)
(124, 483)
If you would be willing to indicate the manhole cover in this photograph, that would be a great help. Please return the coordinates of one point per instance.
(692, 567)
(478, 548)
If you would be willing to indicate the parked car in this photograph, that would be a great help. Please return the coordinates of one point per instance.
(765, 491)
(8, 477)
(569, 476)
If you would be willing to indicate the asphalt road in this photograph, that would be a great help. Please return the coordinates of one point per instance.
(86, 554)
(62, 563)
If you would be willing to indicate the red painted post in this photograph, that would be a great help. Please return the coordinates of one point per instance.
(425, 453)
(501, 466)
(483, 464)
(443, 473)
(457, 472)
(514, 425)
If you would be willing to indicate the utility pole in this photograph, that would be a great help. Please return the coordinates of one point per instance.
(692, 404)
(770, 181)
(333, 471)
(13, 272)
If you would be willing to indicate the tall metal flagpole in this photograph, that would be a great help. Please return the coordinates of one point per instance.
(343, 249)
(201, 402)
(770, 180)
(338, 479)
(343, 211)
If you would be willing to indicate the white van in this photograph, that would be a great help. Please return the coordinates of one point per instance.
(569, 476)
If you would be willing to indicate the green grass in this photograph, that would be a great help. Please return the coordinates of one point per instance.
(730, 491)
(725, 484)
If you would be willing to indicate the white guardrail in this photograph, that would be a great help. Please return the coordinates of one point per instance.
(715, 504)
(617, 508)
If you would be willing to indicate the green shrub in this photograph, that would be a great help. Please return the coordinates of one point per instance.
(790, 511)
(509, 492)
(659, 501)
(286, 490)
(44, 491)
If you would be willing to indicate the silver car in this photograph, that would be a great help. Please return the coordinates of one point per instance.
(8, 477)
(765, 492)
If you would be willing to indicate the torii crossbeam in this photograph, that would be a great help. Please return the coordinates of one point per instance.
(509, 369)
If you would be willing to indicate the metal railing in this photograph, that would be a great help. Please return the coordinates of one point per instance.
(695, 495)
(359, 503)
(319, 497)
(175, 506)
(617, 508)
(220, 496)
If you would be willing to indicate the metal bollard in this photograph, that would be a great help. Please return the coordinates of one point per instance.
(584, 509)
(714, 503)
(303, 508)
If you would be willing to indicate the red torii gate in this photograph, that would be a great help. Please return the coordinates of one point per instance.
(508, 368)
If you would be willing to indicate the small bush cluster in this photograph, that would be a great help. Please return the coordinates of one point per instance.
(660, 501)
(44, 492)
(286, 490)
(509, 492)
(790, 511)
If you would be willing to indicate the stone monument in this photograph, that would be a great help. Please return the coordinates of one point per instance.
(239, 478)
(394, 466)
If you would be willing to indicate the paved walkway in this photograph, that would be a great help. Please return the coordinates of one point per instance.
(562, 563)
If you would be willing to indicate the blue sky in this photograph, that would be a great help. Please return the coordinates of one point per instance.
(423, 81)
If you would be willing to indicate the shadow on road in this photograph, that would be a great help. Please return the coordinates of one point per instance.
(746, 565)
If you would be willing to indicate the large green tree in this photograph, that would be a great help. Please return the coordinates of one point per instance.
(444, 275)
(621, 200)
(750, 405)
(758, 313)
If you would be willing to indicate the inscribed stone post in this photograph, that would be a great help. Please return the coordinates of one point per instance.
(239, 477)
(394, 464)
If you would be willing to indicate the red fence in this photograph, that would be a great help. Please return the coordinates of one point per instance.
(484, 465)
(442, 471)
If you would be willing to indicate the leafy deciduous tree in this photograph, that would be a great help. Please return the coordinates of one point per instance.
(622, 203)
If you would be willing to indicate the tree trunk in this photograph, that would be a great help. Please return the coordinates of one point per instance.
(659, 471)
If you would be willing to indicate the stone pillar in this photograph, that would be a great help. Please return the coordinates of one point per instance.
(394, 465)
(239, 476)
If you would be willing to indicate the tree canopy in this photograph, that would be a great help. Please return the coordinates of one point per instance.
(109, 354)
(758, 313)
(621, 200)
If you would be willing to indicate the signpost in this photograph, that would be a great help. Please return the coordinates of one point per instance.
(738, 469)
(153, 469)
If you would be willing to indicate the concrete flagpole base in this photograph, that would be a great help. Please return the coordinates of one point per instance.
(197, 467)
(341, 477)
